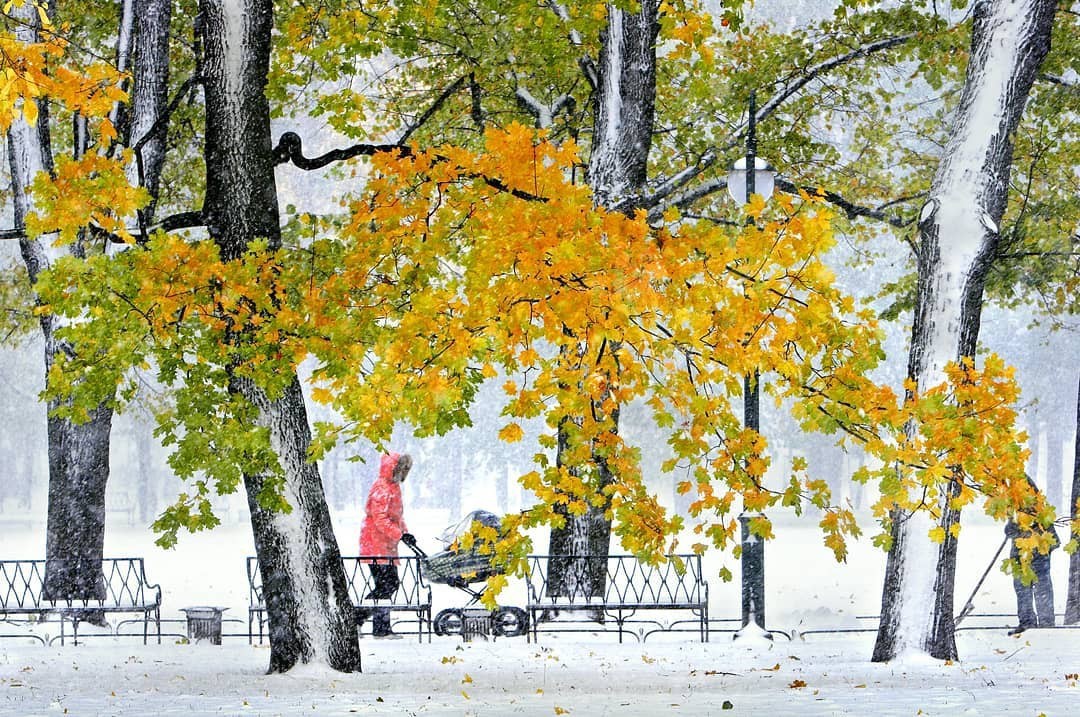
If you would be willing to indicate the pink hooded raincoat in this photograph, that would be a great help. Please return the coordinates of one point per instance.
(383, 523)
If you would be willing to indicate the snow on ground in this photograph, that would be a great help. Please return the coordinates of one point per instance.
(579, 674)
(823, 675)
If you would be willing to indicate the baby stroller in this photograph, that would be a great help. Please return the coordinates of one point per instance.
(458, 568)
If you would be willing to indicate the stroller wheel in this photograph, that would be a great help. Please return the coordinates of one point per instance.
(449, 622)
(510, 622)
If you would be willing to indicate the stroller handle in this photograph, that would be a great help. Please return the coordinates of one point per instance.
(416, 549)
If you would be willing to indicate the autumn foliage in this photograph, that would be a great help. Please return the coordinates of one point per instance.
(450, 267)
(438, 278)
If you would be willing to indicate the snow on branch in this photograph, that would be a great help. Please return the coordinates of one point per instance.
(1068, 82)
(544, 114)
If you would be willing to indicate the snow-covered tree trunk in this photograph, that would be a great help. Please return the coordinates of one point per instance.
(625, 99)
(78, 453)
(1072, 602)
(311, 617)
(959, 238)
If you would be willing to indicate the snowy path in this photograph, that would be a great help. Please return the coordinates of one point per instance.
(823, 675)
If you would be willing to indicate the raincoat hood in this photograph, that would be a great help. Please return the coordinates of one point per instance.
(387, 465)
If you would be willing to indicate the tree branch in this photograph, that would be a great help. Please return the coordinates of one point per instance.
(173, 222)
(823, 67)
(439, 102)
(712, 156)
(290, 149)
(851, 210)
(1059, 80)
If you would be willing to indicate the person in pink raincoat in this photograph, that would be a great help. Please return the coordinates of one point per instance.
(382, 529)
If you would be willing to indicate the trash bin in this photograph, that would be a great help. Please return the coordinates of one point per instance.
(204, 623)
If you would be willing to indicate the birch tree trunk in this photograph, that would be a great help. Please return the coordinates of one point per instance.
(958, 242)
(311, 617)
(624, 110)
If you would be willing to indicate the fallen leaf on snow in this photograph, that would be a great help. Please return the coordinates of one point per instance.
(796, 684)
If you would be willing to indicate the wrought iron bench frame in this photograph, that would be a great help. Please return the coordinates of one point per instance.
(122, 588)
(413, 594)
(630, 586)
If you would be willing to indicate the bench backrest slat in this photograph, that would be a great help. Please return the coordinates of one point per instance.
(411, 591)
(120, 582)
(627, 580)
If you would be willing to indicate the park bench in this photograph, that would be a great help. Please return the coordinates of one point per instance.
(412, 596)
(630, 586)
(121, 588)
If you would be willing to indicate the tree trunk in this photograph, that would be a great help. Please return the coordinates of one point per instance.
(310, 614)
(149, 97)
(622, 136)
(1072, 603)
(78, 453)
(959, 238)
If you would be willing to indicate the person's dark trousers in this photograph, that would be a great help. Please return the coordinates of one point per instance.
(1043, 590)
(386, 582)
(1035, 602)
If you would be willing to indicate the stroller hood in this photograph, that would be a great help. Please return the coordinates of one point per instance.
(455, 531)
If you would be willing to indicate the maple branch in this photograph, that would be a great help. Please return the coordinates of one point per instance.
(290, 149)
(180, 220)
(851, 210)
(824, 67)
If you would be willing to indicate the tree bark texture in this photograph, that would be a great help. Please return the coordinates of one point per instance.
(78, 453)
(622, 136)
(149, 97)
(958, 241)
(1072, 602)
(310, 615)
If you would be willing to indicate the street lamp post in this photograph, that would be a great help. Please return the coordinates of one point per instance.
(748, 176)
